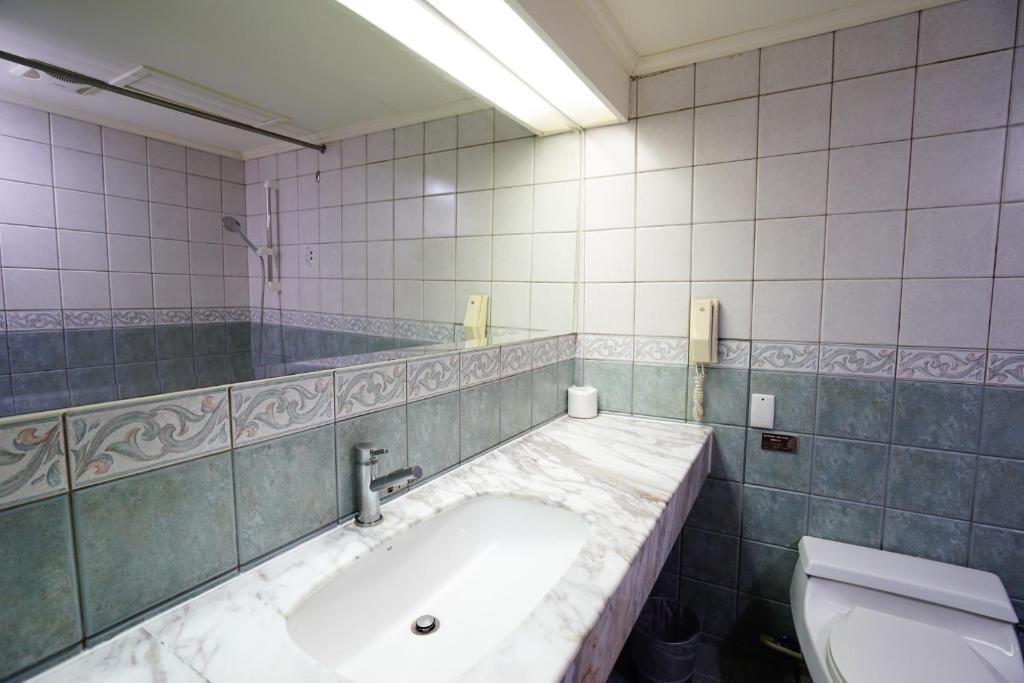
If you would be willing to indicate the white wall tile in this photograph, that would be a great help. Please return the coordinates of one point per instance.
(409, 176)
(860, 311)
(608, 256)
(608, 308)
(439, 259)
(952, 242)
(473, 258)
(727, 78)
(26, 204)
(1013, 182)
(439, 301)
(663, 197)
(75, 134)
(664, 141)
(556, 206)
(664, 92)
(789, 248)
(439, 216)
(608, 202)
(513, 210)
(513, 163)
(380, 222)
(786, 310)
(476, 127)
(133, 255)
(439, 172)
(966, 28)
(409, 259)
(554, 257)
(1017, 88)
(441, 134)
(557, 157)
(135, 290)
(380, 182)
(353, 185)
(873, 109)
(610, 150)
(792, 185)
(551, 306)
(122, 145)
(408, 218)
(29, 289)
(473, 212)
(723, 251)
(1010, 251)
(1007, 314)
(127, 216)
(662, 309)
(725, 132)
(380, 298)
(170, 222)
(167, 155)
(950, 170)
(170, 256)
(663, 253)
(82, 250)
(876, 47)
(965, 94)
(409, 299)
(796, 64)
(734, 305)
(724, 192)
(511, 256)
(380, 146)
(204, 259)
(510, 304)
(869, 178)
(27, 247)
(945, 313)
(353, 151)
(83, 210)
(25, 161)
(84, 289)
(794, 121)
(165, 187)
(24, 122)
(202, 163)
(865, 245)
(353, 260)
(409, 140)
(76, 170)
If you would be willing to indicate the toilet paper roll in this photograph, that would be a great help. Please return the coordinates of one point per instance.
(582, 402)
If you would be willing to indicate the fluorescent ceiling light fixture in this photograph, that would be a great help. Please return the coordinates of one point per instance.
(435, 39)
(504, 33)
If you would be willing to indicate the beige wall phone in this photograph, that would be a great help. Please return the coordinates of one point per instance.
(703, 346)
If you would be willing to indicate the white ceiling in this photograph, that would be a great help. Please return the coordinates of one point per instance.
(312, 60)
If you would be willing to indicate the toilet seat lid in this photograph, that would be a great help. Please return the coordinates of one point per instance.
(873, 647)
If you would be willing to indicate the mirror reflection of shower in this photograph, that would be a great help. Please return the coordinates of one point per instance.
(232, 225)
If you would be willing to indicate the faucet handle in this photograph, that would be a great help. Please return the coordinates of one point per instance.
(379, 451)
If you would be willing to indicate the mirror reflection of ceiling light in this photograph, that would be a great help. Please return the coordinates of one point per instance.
(504, 33)
(501, 59)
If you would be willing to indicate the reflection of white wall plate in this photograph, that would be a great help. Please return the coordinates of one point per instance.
(762, 411)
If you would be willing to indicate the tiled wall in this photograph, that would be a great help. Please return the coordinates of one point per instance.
(108, 513)
(404, 224)
(108, 240)
(856, 202)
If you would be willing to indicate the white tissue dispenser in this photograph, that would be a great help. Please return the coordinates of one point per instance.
(582, 402)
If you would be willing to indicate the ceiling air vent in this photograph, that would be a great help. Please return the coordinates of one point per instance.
(59, 80)
(153, 81)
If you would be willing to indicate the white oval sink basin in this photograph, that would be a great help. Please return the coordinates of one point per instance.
(479, 568)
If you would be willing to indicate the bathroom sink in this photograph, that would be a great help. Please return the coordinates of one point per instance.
(478, 569)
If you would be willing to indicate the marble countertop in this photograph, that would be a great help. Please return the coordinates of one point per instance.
(633, 479)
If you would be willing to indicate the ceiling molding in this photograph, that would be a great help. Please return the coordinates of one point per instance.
(864, 13)
(75, 113)
(610, 30)
(463, 106)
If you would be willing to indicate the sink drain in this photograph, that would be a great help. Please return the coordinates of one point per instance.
(425, 625)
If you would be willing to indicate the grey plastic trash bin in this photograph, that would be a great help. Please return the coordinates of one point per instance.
(663, 644)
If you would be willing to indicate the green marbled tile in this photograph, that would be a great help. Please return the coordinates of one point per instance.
(285, 489)
(434, 433)
(516, 404)
(40, 615)
(614, 383)
(659, 390)
(481, 422)
(152, 536)
(545, 382)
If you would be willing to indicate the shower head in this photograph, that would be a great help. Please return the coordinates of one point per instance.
(231, 224)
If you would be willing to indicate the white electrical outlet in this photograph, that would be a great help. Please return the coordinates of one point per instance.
(762, 411)
(309, 255)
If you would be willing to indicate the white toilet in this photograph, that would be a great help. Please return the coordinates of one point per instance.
(871, 616)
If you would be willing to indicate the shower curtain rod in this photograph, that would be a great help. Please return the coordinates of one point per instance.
(67, 74)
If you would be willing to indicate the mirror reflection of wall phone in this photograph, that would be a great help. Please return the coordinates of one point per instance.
(703, 346)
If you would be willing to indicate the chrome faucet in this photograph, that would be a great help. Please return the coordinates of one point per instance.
(370, 484)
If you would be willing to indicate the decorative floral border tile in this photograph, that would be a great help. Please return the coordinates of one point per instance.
(733, 353)
(34, 320)
(382, 327)
(433, 376)
(661, 350)
(32, 463)
(544, 352)
(566, 347)
(84, 319)
(173, 316)
(1006, 368)
(943, 365)
(111, 442)
(866, 361)
(208, 315)
(791, 356)
(138, 317)
(479, 366)
(515, 358)
(605, 347)
(239, 314)
(281, 407)
(364, 390)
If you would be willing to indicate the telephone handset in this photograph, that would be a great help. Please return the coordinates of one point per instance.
(703, 346)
